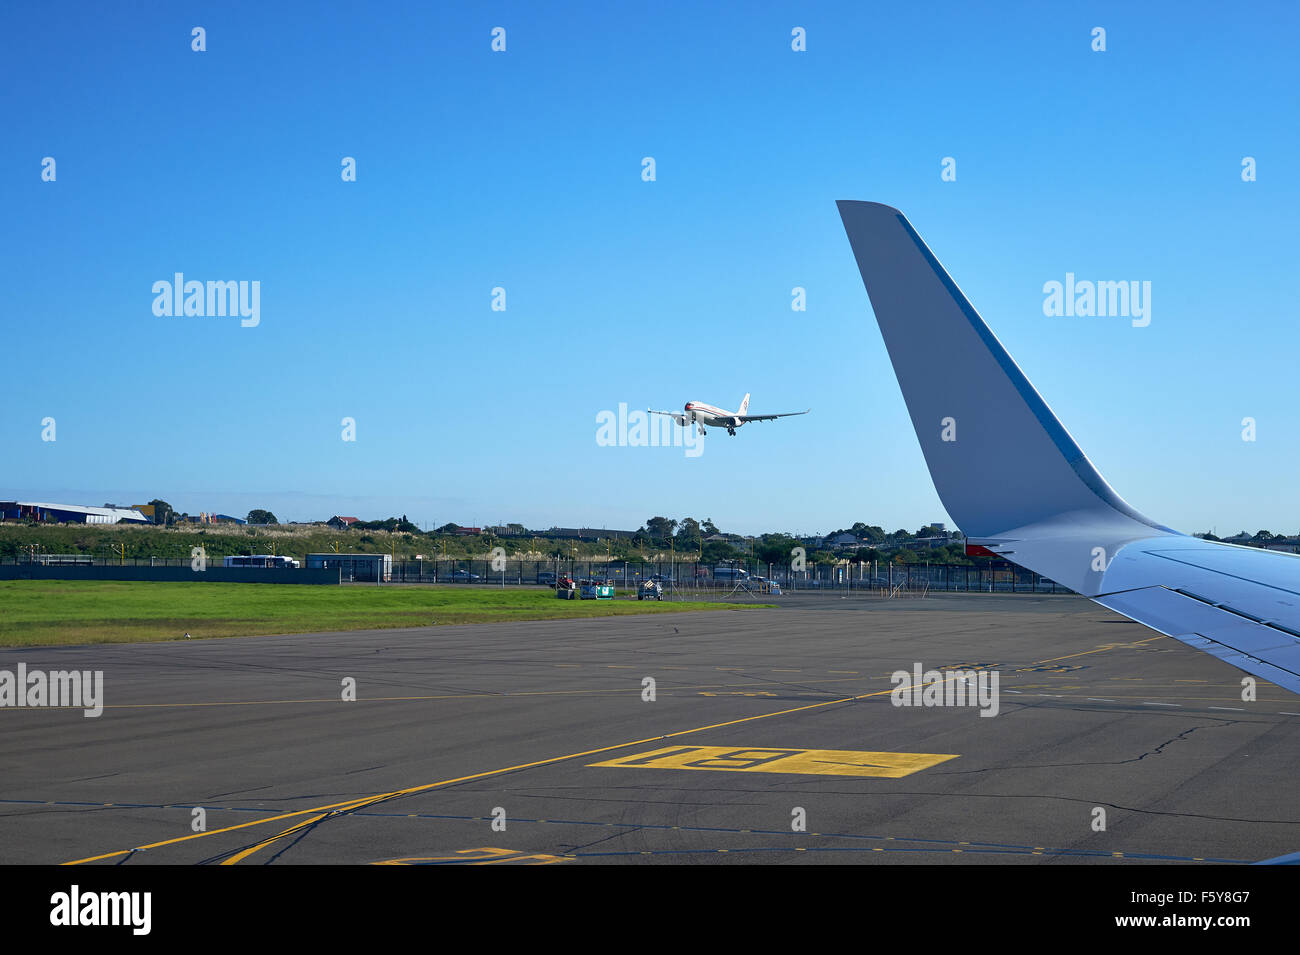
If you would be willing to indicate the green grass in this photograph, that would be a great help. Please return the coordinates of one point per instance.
(65, 612)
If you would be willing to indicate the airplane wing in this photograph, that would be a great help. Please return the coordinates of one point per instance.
(769, 417)
(675, 415)
(1018, 485)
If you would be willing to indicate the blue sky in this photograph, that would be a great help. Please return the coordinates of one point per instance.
(522, 170)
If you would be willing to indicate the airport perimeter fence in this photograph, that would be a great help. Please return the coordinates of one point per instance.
(688, 577)
(911, 578)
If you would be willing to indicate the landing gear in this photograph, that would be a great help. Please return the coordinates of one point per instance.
(731, 431)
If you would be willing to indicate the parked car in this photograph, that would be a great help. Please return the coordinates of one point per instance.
(463, 576)
(730, 573)
(546, 578)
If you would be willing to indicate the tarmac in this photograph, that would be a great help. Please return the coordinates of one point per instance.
(765, 736)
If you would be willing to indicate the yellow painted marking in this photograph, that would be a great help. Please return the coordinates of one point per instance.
(819, 762)
(1109, 646)
(357, 804)
(484, 856)
(245, 853)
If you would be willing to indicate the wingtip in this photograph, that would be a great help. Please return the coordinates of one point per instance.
(844, 205)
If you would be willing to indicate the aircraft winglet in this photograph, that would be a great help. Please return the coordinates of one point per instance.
(998, 456)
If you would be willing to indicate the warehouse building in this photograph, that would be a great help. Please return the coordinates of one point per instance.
(69, 513)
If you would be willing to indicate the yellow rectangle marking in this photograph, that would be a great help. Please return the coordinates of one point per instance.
(821, 762)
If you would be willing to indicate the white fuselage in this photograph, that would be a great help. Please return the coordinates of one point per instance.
(714, 417)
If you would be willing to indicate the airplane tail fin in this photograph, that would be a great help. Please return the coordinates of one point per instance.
(998, 456)
(744, 405)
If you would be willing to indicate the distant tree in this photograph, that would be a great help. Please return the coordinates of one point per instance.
(162, 512)
(719, 551)
(709, 527)
(391, 524)
(868, 532)
(448, 529)
(660, 528)
(688, 534)
(259, 516)
(775, 549)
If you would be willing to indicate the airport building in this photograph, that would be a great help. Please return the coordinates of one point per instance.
(70, 513)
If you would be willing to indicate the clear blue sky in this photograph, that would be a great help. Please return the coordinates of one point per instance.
(523, 170)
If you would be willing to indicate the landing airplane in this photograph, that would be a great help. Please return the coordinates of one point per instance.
(1016, 483)
(703, 414)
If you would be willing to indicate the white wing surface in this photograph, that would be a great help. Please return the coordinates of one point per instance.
(1016, 483)
(769, 417)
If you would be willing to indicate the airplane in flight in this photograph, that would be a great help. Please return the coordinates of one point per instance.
(1019, 487)
(703, 414)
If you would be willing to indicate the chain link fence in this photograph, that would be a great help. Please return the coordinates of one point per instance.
(682, 577)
